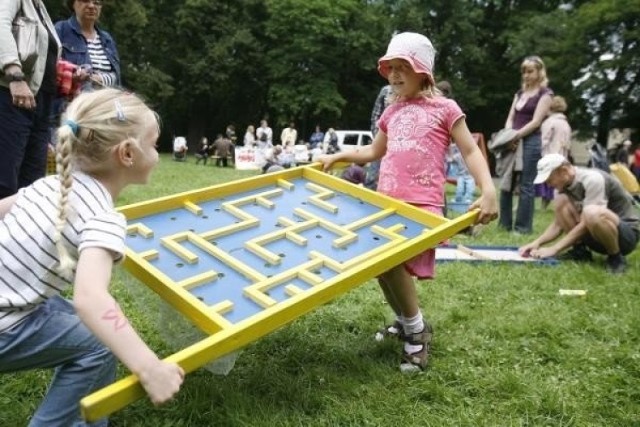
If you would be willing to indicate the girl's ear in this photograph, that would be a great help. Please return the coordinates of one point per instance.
(124, 153)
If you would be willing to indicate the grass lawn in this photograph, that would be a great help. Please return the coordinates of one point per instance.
(508, 349)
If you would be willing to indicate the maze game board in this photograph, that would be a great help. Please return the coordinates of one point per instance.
(453, 253)
(242, 259)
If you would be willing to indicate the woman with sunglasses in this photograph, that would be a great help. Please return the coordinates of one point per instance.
(528, 110)
(88, 46)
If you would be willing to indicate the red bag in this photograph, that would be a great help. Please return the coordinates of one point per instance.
(64, 78)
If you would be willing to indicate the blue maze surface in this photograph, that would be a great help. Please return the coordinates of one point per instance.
(230, 283)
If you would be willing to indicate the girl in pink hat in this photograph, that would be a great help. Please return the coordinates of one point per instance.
(414, 134)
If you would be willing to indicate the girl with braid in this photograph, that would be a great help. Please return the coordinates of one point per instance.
(63, 231)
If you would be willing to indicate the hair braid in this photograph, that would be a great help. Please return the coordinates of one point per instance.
(63, 168)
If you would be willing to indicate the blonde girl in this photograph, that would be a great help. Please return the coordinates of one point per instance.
(414, 134)
(63, 231)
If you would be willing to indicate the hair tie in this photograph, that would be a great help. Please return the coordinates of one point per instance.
(73, 125)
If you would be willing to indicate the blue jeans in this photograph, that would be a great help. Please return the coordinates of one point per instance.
(465, 187)
(54, 337)
(24, 136)
(531, 147)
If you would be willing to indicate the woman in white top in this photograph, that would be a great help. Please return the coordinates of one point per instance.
(249, 137)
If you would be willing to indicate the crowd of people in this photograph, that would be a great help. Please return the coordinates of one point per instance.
(105, 140)
(286, 151)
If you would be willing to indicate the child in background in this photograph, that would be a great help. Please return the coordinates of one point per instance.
(63, 230)
(465, 185)
(273, 160)
(414, 133)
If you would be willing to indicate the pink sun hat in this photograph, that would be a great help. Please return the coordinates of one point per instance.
(414, 48)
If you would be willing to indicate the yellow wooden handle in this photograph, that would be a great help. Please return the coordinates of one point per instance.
(123, 392)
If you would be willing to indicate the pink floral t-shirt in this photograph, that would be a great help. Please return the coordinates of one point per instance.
(418, 136)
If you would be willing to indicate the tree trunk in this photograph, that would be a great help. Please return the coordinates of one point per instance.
(604, 119)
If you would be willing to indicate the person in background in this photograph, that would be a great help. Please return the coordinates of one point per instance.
(465, 185)
(27, 91)
(556, 138)
(635, 166)
(623, 154)
(592, 212)
(355, 173)
(222, 148)
(230, 133)
(331, 142)
(180, 148)
(529, 108)
(289, 135)
(203, 152)
(445, 88)
(415, 131)
(316, 138)
(88, 46)
(373, 170)
(264, 135)
(249, 139)
(274, 160)
(71, 238)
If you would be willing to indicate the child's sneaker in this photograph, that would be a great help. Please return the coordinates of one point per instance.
(418, 361)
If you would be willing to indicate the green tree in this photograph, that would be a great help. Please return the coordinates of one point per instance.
(207, 63)
(203, 57)
(321, 60)
(605, 53)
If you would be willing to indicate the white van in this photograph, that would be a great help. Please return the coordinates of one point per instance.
(352, 139)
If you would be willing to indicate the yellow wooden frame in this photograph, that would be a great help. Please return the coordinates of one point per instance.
(225, 336)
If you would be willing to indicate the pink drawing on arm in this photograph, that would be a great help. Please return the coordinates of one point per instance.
(116, 315)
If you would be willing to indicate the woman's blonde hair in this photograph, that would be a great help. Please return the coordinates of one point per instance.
(538, 64)
(92, 125)
(558, 105)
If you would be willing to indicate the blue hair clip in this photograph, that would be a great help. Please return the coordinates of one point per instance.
(73, 125)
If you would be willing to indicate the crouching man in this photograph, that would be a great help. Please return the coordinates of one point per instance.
(592, 212)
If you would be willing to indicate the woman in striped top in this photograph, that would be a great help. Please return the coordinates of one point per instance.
(88, 46)
(63, 231)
